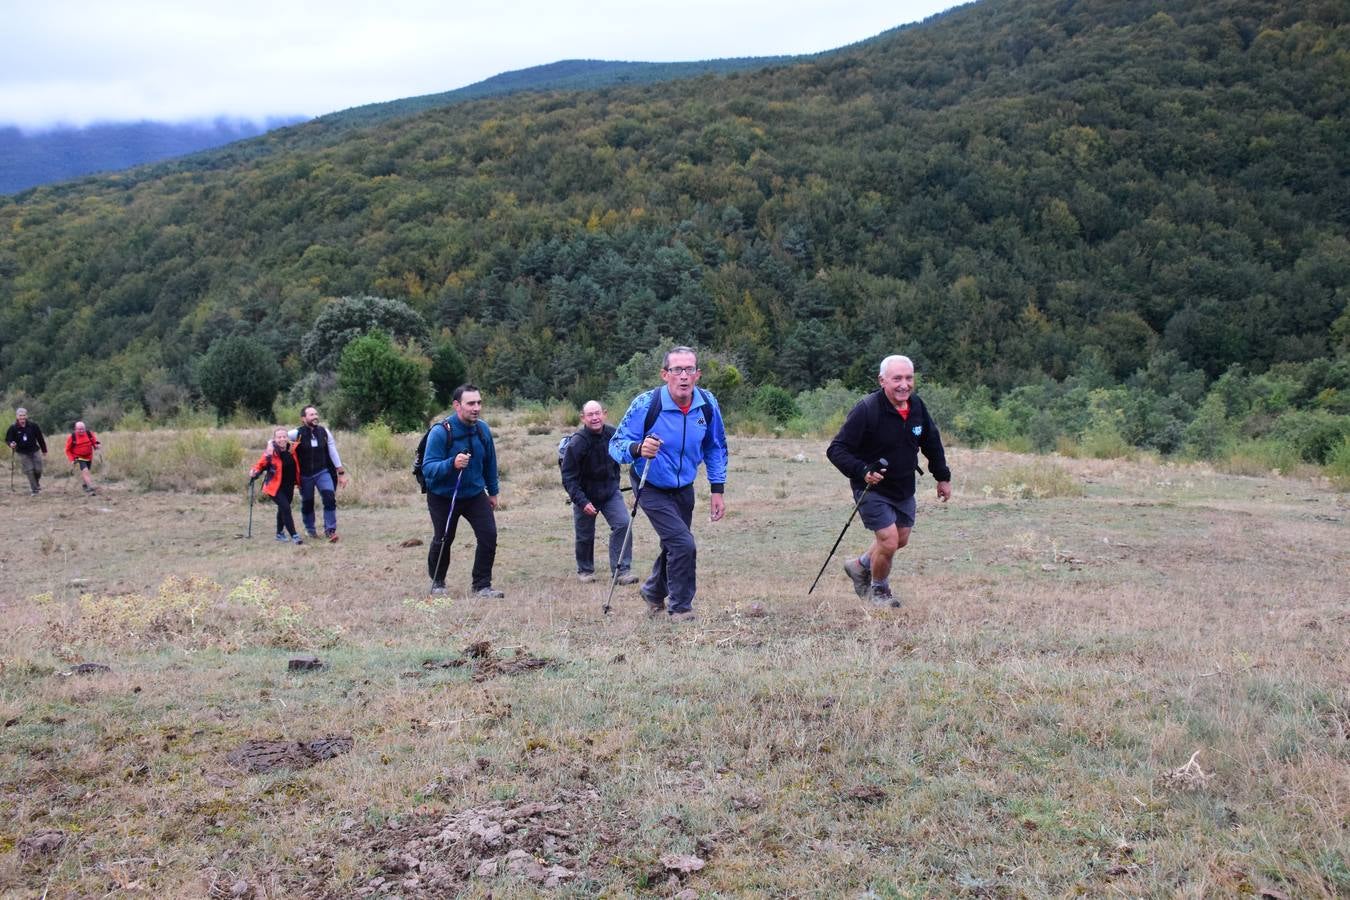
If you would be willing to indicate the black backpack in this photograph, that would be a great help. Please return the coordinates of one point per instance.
(422, 449)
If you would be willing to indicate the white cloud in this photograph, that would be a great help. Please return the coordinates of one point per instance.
(77, 61)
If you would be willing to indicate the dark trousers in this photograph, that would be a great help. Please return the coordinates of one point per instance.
(285, 519)
(479, 513)
(675, 572)
(616, 516)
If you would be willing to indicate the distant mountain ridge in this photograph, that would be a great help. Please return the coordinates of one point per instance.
(29, 160)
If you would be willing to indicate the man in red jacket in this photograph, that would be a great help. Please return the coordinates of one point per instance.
(80, 447)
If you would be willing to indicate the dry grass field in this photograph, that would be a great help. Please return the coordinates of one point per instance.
(1108, 679)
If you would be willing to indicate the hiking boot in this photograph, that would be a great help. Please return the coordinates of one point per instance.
(686, 616)
(882, 596)
(88, 489)
(281, 538)
(860, 575)
(489, 593)
(312, 533)
(331, 534)
(626, 578)
(585, 577)
(437, 589)
(654, 607)
(296, 539)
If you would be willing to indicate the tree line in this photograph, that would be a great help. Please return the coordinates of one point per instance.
(1021, 196)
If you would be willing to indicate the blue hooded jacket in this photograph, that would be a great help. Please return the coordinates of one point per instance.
(686, 440)
(451, 438)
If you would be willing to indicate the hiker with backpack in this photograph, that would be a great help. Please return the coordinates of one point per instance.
(459, 474)
(891, 424)
(80, 447)
(591, 479)
(281, 464)
(665, 435)
(25, 440)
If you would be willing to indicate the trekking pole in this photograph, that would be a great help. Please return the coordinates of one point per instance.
(627, 538)
(252, 487)
(11, 470)
(880, 466)
(445, 532)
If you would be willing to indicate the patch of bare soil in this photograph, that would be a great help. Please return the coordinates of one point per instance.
(484, 664)
(544, 844)
(256, 757)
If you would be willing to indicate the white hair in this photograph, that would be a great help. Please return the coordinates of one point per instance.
(893, 359)
(20, 411)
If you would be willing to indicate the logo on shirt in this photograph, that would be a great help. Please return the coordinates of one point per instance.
(917, 429)
(702, 421)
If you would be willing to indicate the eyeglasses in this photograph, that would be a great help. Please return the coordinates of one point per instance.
(682, 370)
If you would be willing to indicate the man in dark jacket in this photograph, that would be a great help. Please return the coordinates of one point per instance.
(320, 468)
(25, 438)
(893, 424)
(591, 479)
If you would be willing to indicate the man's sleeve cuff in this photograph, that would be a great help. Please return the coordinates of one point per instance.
(718, 488)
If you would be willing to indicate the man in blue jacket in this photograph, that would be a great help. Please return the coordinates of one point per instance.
(893, 424)
(671, 430)
(460, 463)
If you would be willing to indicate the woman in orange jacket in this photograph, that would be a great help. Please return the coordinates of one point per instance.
(283, 474)
(80, 447)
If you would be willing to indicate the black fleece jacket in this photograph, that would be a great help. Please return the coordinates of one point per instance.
(588, 473)
(28, 439)
(874, 430)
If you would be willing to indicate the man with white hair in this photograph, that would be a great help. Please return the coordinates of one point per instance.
(890, 424)
(25, 439)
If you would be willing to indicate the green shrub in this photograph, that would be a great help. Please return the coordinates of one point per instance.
(1313, 435)
(774, 402)
(379, 383)
(1338, 465)
(238, 373)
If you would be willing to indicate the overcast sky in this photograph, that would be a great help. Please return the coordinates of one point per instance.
(80, 61)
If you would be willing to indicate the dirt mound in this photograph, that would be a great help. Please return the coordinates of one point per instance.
(256, 757)
(480, 658)
(544, 844)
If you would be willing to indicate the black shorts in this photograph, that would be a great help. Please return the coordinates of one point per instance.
(83, 463)
(880, 512)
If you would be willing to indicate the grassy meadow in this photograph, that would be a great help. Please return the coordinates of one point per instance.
(1109, 678)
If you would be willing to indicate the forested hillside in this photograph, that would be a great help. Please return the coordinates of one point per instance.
(1014, 193)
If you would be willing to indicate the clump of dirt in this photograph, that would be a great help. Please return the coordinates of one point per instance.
(544, 844)
(485, 664)
(256, 757)
(40, 844)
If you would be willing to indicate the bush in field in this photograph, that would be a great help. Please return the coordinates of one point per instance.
(1313, 435)
(238, 373)
(774, 402)
(1338, 465)
(377, 382)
